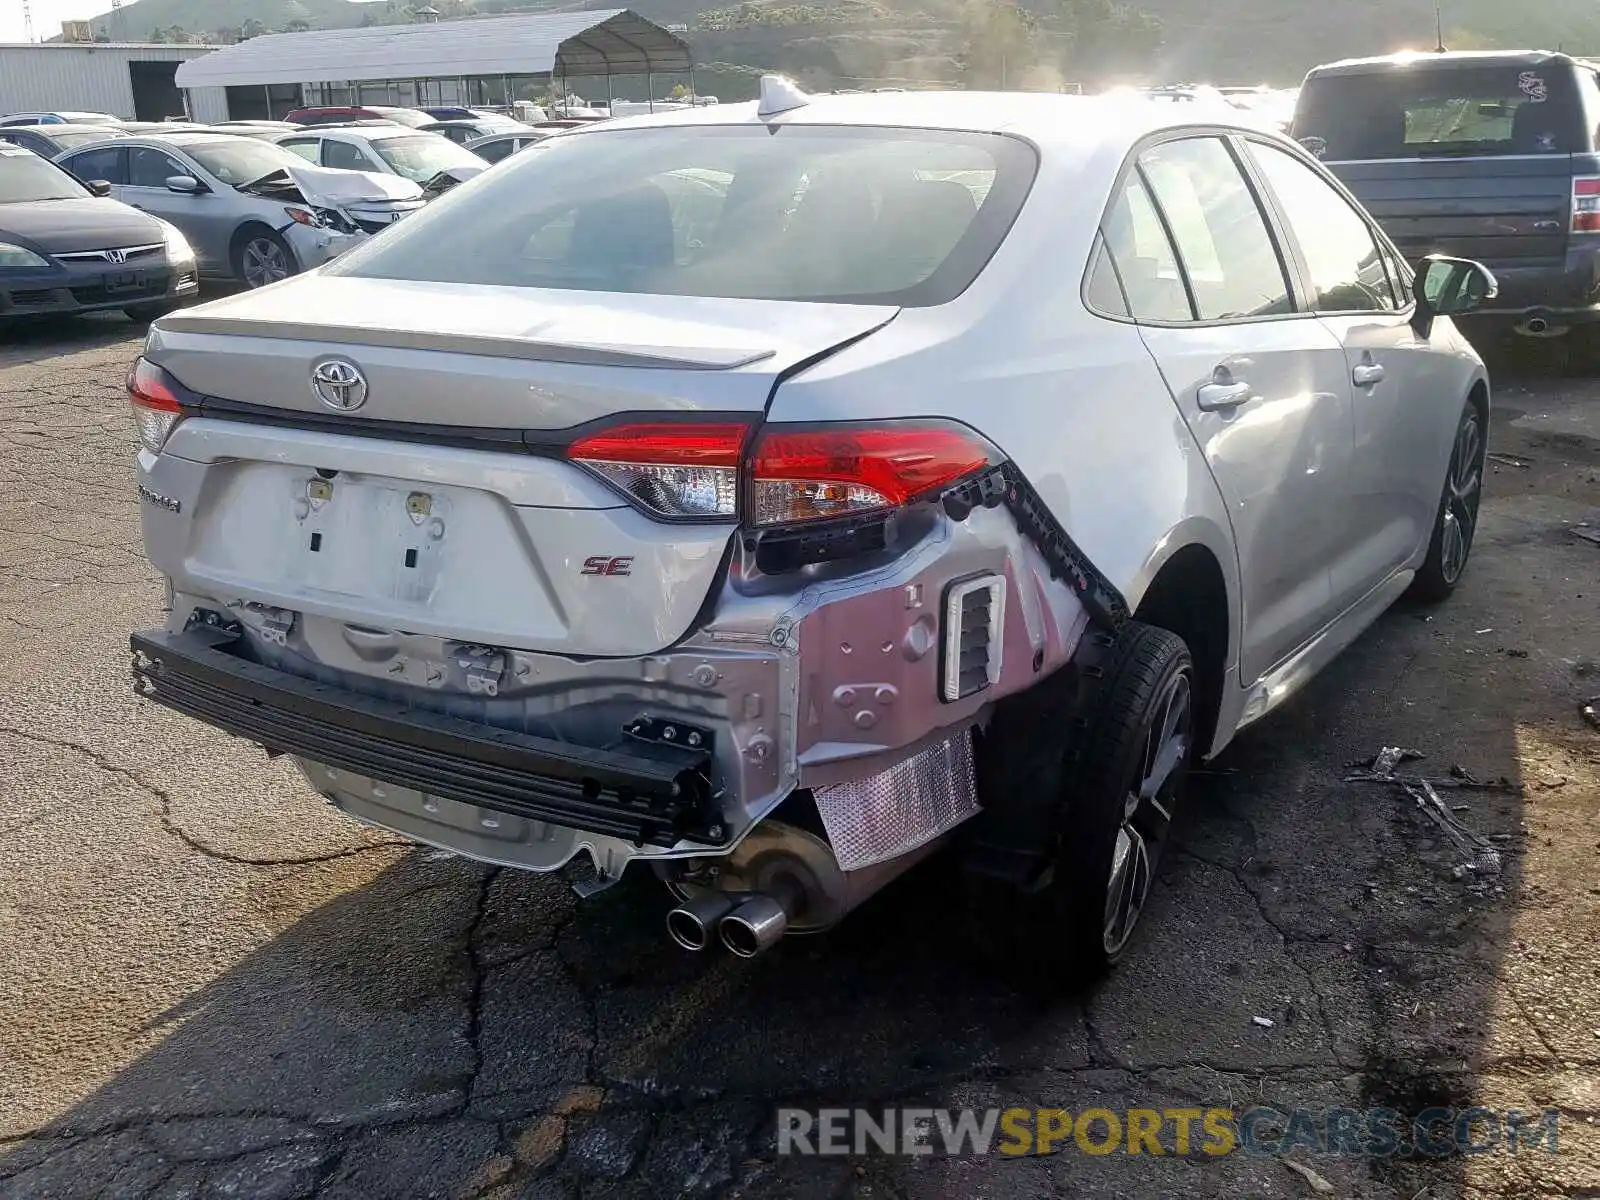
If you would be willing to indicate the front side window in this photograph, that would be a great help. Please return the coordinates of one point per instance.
(306, 148)
(149, 168)
(344, 155)
(1347, 270)
(845, 214)
(1228, 254)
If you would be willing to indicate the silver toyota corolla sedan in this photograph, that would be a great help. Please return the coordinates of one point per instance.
(775, 493)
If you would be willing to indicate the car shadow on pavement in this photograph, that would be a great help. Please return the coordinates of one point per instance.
(439, 1028)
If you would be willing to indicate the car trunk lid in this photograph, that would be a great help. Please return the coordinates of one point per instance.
(488, 535)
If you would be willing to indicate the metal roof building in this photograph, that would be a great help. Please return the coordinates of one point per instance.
(588, 43)
(126, 79)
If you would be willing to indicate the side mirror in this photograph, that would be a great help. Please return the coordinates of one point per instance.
(186, 184)
(1449, 287)
(98, 187)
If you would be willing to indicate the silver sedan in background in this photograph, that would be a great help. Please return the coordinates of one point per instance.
(238, 203)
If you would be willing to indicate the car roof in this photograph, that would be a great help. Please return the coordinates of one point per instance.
(369, 133)
(1434, 58)
(1075, 123)
(52, 130)
(183, 138)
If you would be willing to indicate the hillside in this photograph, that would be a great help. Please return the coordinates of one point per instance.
(1216, 40)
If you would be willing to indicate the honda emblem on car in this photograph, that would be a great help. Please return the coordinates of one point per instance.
(339, 384)
(117, 256)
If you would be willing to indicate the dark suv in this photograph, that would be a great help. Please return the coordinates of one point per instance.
(1489, 156)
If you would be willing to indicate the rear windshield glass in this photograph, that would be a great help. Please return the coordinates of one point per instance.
(1417, 111)
(867, 215)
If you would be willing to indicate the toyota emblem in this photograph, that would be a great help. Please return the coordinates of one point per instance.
(339, 384)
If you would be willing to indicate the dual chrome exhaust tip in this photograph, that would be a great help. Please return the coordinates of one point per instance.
(746, 925)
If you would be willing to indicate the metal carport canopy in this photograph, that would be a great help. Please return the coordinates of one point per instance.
(612, 41)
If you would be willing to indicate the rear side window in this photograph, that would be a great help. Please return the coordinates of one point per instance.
(1423, 109)
(1347, 270)
(1145, 262)
(845, 214)
(1228, 255)
(108, 163)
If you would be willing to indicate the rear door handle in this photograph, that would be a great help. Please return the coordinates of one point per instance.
(1220, 397)
(1366, 374)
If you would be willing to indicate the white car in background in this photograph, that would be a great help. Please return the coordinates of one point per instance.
(426, 159)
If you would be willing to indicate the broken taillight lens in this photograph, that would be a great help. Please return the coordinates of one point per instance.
(817, 473)
(156, 409)
(681, 471)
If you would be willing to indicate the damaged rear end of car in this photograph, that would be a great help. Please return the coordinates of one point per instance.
(508, 555)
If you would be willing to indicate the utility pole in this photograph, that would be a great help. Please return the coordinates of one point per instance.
(27, 20)
(1438, 24)
(116, 20)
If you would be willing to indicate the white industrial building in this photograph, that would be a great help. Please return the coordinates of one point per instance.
(126, 79)
(439, 62)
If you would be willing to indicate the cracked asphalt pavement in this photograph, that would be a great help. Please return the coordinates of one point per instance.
(211, 984)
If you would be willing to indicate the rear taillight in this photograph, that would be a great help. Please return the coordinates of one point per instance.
(813, 474)
(1586, 204)
(156, 409)
(678, 471)
(793, 475)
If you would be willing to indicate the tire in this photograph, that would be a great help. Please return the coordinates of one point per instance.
(143, 314)
(1457, 519)
(261, 257)
(1116, 790)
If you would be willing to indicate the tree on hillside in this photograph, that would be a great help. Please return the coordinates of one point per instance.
(1103, 38)
(298, 25)
(999, 44)
(250, 28)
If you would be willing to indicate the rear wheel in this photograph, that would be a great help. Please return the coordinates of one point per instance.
(261, 257)
(1116, 799)
(1457, 521)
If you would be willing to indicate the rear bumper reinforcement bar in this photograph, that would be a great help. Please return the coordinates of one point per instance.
(645, 793)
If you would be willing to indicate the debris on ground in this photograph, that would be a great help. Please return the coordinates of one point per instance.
(1386, 760)
(1264, 1022)
(1380, 768)
(1509, 460)
(1588, 535)
(1482, 858)
(1489, 630)
(1318, 1184)
(1591, 711)
(1516, 654)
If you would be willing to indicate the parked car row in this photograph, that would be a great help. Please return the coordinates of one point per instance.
(258, 201)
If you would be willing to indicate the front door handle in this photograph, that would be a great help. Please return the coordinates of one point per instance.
(1366, 374)
(1220, 397)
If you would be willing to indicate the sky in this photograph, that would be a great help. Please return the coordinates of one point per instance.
(47, 17)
